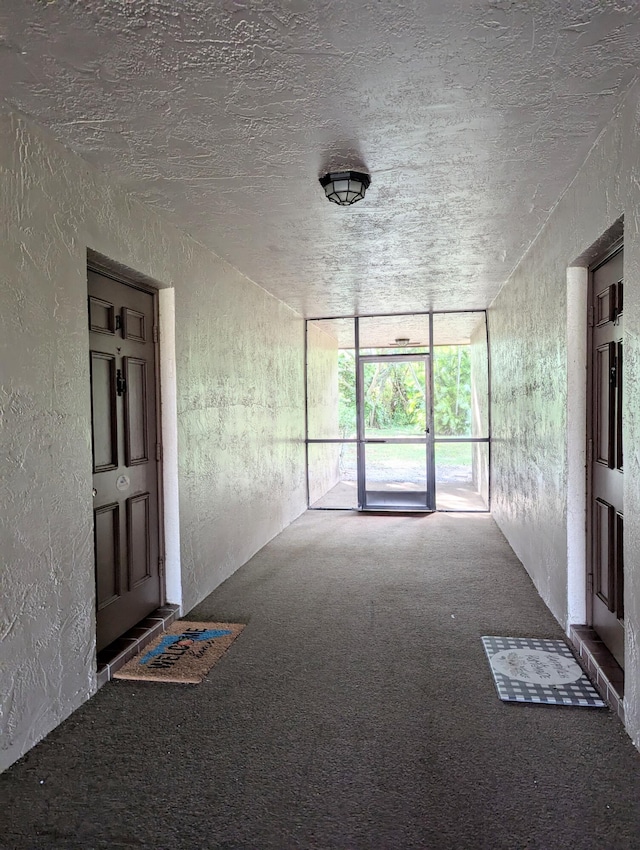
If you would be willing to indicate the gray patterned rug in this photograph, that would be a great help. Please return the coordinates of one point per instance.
(538, 670)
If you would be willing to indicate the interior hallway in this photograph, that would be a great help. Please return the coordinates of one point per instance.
(355, 711)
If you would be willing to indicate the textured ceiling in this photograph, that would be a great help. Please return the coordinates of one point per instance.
(472, 118)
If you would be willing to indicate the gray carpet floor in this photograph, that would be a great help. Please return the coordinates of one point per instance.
(356, 710)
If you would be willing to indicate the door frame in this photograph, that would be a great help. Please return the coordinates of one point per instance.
(427, 440)
(613, 249)
(95, 265)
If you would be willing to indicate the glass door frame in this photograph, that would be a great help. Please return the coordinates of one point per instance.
(427, 440)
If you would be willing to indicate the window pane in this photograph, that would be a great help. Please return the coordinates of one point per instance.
(331, 379)
(394, 334)
(333, 481)
(462, 476)
(396, 475)
(460, 375)
(394, 399)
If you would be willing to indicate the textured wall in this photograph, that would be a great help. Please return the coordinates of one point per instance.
(322, 411)
(480, 407)
(240, 392)
(530, 389)
(240, 426)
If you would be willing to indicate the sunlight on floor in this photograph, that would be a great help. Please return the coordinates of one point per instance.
(449, 497)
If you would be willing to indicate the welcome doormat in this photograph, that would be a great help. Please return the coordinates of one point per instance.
(184, 653)
(538, 670)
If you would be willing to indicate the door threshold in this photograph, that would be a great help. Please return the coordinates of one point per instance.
(607, 674)
(116, 655)
(397, 511)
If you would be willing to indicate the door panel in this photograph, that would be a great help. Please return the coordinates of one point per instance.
(604, 551)
(606, 482)
(395, 474)
(134, 325)
(103, 411)
(107, 539)
(619, 566)
(619, 452)
(138, 539)
(603, 403)
(136, 404)
(124, 430)
(394, 460)
(101, 316)
(604, 304)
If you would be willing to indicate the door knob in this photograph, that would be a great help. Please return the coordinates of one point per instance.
(94, 492)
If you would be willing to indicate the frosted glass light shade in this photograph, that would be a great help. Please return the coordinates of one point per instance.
(345, 187)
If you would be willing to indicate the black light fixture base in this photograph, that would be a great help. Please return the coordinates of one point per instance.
(345, 187)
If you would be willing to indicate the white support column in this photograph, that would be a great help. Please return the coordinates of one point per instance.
(168, 388)
(577, 294)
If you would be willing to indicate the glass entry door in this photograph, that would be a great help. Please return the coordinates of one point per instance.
(395, 443)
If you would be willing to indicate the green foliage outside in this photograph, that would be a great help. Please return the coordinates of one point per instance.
(394, 394)
(452, 390)
(347, 394)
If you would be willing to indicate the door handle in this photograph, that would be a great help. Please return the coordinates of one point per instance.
(94, 492)
(121, 384)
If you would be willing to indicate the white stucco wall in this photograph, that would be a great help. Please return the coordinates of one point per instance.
(531, 392)
(239, 407)
(480, 408)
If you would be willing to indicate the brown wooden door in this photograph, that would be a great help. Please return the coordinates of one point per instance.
(125, 474)
(606, 578)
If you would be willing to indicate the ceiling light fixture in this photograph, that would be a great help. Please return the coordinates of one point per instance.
(404, 342)
(345, 187)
